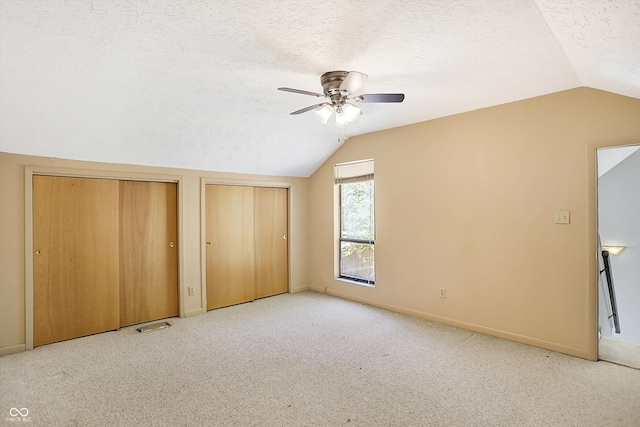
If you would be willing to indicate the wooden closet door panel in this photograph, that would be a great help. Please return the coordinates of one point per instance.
(75, 267)
(148, 251)
(229, 233)
(271, 248)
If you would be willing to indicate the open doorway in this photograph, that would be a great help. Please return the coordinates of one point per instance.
(619, 226)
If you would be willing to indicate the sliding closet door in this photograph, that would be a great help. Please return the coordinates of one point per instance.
(148, 251)
(270, 231)
(229, 233)
(75, 265)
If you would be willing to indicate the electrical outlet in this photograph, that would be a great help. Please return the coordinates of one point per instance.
(192, 291)
(561, 217)
(443, 292)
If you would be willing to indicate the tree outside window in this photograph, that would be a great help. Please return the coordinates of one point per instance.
(357, 229)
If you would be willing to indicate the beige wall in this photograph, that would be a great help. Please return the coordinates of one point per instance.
(466, 202)
(14, 264)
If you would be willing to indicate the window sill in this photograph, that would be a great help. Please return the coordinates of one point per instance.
(355, 282)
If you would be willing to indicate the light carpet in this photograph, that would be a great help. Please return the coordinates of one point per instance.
(310, 359)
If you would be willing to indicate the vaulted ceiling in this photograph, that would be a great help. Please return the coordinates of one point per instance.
(192, 83)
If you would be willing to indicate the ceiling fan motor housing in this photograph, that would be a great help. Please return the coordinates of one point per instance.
(331, 82)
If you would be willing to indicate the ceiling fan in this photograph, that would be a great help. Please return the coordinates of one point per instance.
(338, 88)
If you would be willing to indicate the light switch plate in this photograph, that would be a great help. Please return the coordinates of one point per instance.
(562, 217)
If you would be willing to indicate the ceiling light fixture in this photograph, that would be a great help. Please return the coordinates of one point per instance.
(341, 118)
(338, 88)
(323, 114)
(345, 113)
(351, 112)
(613, 250)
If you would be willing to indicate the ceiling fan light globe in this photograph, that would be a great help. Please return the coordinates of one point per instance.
(351, 112)
(323, 114)
(341, 119)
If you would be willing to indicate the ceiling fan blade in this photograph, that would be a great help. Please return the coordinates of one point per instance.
(380, 97)
(303, 92)
(309, 108)
(353, 81)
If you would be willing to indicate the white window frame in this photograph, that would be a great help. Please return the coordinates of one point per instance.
(346, 173)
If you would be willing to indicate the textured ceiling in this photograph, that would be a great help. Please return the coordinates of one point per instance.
(192, 83)
(609, 158)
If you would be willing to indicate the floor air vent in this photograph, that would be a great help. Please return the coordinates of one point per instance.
(153, 327)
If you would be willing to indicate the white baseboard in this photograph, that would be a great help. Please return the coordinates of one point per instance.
(560, 348)
(194, 312)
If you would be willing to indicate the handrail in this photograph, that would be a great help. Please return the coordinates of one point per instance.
(612, 293)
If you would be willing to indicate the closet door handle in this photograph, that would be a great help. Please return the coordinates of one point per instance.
(171, 244)
(38, 251)
(208, 242)
(284, 237)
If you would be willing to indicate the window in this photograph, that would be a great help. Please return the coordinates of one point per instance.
(357, 226)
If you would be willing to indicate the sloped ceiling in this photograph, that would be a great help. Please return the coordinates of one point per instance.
(609, 158)
(192, 83)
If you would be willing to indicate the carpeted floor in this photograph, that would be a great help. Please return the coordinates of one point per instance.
(310, 359)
